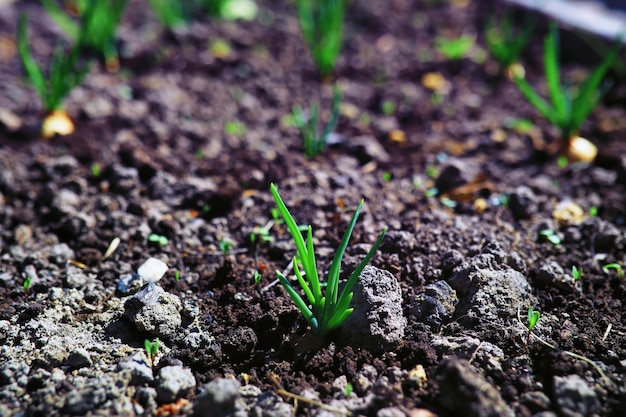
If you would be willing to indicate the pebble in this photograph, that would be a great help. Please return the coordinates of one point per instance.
(217, 399)
(155, 311)
(152, 269)
(435, 305)
(173, 382)
(574, 397)
(377, 323)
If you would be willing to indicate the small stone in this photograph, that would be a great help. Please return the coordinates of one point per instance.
(78, 358)
(174, 382)
(435, 305)
(377, 323)
(154, 311)
(217, 399)
(574, 396)
(152, 270)
(140, 371)
(523, 203)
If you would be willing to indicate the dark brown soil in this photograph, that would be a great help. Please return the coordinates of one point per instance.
(163, 115)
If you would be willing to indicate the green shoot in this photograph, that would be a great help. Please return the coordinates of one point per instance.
(230, 9)
(64, 72)
(97, 23)
(321, 22)
(323, 311)
(159, 239)
(615, 266)
(348, 390)
(312, 141)
(171, 13)
(576, 273)
(454, 49)
(177, 275)
(27, 284)
(607, 381)
(225, 246)
(388, 107)
(533, 318)
(233, 128)
(257, 276)
(504, 43)
(593, 211)
(152, 350)
(568, 107)
(550, 236)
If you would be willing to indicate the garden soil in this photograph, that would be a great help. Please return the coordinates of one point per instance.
(184, 141)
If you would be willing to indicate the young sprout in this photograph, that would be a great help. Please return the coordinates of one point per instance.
(257, 276)
(454, 49)
(551, 236)
(225, 246)
(323, 311)
(617, 267)
(27, 284)
(63, 75)
(568, 107)
(177, 275)
(576, 274)
(171, 14)
(230, 9)
(97, 24)
(533, 318)
(504, 43)
(156, 238)
(321, 22)
(152, 350)
(313, 141)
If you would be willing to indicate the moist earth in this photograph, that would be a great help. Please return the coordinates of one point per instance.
(439, 326)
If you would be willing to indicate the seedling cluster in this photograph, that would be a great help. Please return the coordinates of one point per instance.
(324, 311)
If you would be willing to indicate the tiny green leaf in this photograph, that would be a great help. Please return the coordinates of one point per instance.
(533, 318)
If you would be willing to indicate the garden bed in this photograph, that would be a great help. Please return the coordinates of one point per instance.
(184, 143)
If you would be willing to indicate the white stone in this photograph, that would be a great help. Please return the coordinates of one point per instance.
(153, 269)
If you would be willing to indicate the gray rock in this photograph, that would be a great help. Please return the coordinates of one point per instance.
(198, 339)
(79, 401)
(487, 287)
(390, 412)
(154, 311)
(78, 358)
(463, 391)
(522, 203)
(553, 275)
(128, 283)
(173, 382)
(217, 399)
(146, 396)
(140, 370)
(377, 323)
(435, 305)
(456, 172)
(574, 396)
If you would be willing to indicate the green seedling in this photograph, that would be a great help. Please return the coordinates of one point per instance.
(27, 284)
(323, 311)
(155, 238)
(234, 128)
(230, 9)
(593, 211)
(388, 107)
(321, 22)
(454, 49)
(504, 42)
(96, 27)
(64, 73)
(568, 107)
(533, 318)
(313, 142)
(177, 275)
(532, 315)
(576, 273)
(551, 236)
(225, 246)
(171, 13)
(257, 276)
(348, 390)
(152, 350)
(615, 266)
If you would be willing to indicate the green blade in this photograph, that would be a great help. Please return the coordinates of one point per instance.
(298, 301)
(313, 276)
(333, 274)
(292, 227)
(302, 282)
(34, 73)
(551, 63)
(61, 18)
(588, 94)
(345, 298)
(537, 101)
